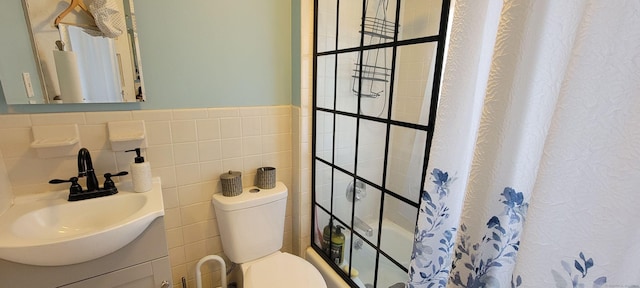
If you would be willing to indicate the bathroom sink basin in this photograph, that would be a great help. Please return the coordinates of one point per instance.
(48, 230)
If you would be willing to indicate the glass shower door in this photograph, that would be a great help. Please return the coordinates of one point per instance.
(377, 66)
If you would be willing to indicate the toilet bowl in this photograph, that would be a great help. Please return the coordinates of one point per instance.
(281, 269)
(251, 229)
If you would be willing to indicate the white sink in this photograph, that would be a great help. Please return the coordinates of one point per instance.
(48, 230)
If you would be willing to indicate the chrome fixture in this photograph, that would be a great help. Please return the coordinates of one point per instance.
(359, 188)
(358, 244)
(358, 223)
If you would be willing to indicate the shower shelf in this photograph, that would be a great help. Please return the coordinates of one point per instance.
(371, 78)
(379, 28)
(374, 75)
(371, 72)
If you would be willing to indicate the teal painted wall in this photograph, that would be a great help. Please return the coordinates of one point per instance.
(207, 53)
(296, 54)
(16, 55)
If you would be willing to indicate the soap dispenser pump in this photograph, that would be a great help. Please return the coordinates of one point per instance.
(140, 173)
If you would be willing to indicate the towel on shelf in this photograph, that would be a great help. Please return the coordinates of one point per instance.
(109, 19)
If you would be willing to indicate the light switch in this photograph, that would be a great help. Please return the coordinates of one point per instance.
(26, 77)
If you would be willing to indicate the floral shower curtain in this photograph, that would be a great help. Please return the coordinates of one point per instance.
(534, 176)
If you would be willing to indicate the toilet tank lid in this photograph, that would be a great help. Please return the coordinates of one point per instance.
(250, 197)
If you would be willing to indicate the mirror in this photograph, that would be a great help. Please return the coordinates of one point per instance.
(85, 51)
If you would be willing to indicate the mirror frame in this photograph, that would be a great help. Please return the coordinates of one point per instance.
(41, 86)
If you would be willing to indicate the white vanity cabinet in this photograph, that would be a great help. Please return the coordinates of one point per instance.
(143, 263)
(150, 274)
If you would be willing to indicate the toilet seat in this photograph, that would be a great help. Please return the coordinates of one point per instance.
(282, 270)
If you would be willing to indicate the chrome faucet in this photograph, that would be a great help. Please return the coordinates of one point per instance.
(363, 226)
(85, 169)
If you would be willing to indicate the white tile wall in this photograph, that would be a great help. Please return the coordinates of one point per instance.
(188, 149)
(208, 129)
(183, 131)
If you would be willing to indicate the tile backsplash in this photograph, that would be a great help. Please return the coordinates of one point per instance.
(187, 148)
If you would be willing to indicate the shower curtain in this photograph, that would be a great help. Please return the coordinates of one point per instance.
(534, 171)
(99, 65)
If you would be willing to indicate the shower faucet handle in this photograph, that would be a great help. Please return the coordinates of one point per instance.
(358, 188)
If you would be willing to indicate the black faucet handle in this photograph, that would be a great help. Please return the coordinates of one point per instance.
(108, 183)
(121, 173)
(75, 187)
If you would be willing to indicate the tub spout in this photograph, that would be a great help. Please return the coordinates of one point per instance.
(358, 223)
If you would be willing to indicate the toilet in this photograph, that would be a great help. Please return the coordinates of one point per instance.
(251, 228)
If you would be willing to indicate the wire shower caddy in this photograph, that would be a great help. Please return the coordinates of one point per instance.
(373, 73)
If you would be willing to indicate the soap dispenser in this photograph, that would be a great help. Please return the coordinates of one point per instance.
(337, 245)
(333, 242)
(140, 173)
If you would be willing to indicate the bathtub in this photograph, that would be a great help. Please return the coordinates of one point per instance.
(399, 245)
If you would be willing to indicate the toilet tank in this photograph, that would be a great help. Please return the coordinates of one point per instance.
(251, 224)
